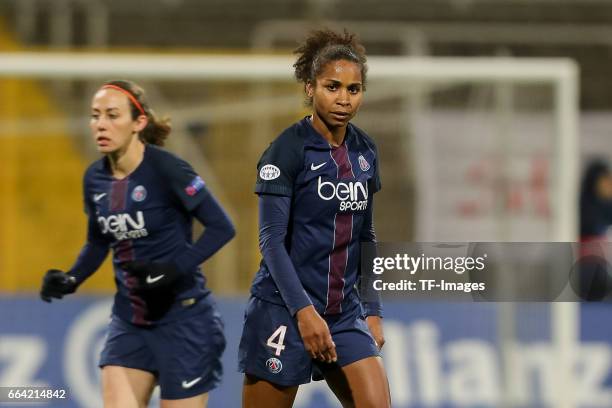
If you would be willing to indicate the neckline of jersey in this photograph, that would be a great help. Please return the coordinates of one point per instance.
(127, 176)
(322, 139)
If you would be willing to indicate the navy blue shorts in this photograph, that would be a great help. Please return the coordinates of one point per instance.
(271, 347)
(184, 355)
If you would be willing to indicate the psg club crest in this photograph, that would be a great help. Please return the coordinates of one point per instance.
(274, 365)
(139, 193)
(363, 163)
(196, 185)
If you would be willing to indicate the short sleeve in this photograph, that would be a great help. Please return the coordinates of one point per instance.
(280, 165)
(185, 184)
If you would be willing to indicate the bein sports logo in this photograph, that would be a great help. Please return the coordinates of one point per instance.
(123, 226)
(353, 196)
(274, 365)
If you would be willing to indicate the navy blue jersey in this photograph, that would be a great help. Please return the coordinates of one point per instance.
(145, 216)
(330, 188)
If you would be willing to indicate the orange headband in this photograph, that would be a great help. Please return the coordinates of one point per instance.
(128, 94)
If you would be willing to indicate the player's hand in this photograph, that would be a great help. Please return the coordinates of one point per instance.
(376, 330)
(152, 275)
(56, 284)
(315, 335)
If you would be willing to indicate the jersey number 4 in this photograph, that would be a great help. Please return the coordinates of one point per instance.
(277, 345)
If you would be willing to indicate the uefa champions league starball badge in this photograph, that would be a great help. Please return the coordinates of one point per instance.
(139, 193)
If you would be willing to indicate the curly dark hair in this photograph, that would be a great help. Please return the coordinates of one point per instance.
(324, 46)
(157, 129)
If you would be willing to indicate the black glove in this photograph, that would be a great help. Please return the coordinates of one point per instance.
(56, 284)
(152, 275)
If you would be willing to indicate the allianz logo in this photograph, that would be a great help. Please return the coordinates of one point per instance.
(474, 372)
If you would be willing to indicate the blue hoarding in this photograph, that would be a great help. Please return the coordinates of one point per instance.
(437, 355)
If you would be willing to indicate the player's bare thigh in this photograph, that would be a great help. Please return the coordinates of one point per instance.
(199, 401)
(258, 393)
(124, 387)
(361, 384)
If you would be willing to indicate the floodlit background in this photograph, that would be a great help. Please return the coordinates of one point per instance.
(484, 112)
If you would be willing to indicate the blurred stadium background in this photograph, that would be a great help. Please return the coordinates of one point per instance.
(481, 138)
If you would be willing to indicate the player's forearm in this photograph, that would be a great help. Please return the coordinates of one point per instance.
(273, 221)
(90, 259)
(370, 298)
(286, 279)
(373, 308)
(367, 233)
(218, 231)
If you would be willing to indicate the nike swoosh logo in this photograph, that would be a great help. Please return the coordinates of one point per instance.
(317, 167)
(191, 383)
(98, 197)
(155, 279)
